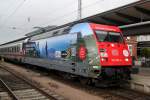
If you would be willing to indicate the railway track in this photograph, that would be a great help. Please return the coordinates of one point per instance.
(121, 94)
(130, 94)
(113, 93)
(14, 87)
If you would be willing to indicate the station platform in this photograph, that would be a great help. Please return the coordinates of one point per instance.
(141, 81)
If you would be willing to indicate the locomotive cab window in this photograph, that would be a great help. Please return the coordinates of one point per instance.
(105, 36)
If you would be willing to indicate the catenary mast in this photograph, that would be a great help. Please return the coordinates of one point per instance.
(79, 9)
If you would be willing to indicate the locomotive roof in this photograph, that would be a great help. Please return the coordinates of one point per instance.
(52, 32)
(17, 40)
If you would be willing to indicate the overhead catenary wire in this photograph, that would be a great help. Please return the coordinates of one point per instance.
(56, 10)
(11, 4)
(64, 6)
(17, 8)
(70, 13)
(15, 28)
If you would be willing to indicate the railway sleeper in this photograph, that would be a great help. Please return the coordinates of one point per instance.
(35, 98)
(22, 92)
(28, 94)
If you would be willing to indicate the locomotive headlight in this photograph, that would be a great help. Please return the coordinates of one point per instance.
(125, 53)
(126, 59)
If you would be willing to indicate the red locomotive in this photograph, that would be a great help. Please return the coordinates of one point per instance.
(89, 51)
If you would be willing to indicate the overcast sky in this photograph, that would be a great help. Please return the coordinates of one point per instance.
(18, 17)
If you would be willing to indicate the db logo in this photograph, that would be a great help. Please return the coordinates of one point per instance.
(82, 53)
(115, 52)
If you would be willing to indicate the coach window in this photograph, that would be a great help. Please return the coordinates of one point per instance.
(18, 49)
(9, 49)
(15, 48)
(12, 49)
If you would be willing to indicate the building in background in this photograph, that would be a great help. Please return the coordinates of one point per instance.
(139, 47)
(132, 45)
(143, 46)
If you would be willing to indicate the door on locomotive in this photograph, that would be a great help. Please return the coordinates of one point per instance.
(30, 49)
(87, 52)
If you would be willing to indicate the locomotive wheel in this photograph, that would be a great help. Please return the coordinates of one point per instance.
(84, 81)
